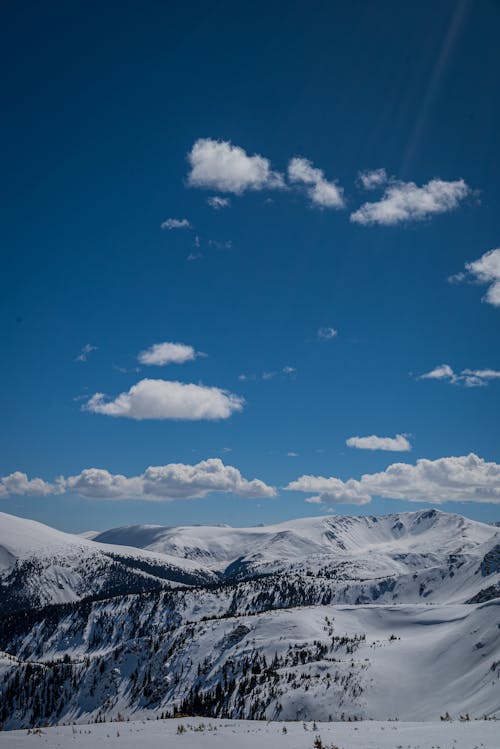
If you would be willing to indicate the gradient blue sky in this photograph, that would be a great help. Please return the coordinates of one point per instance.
(102, 104)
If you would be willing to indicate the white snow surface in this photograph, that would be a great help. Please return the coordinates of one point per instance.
(206, 733)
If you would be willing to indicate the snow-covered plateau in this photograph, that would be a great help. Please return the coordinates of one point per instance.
(344, 620)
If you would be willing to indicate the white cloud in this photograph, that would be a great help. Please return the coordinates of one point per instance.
(164, 399)
(18, 484)
(84, 353)
(216, 202)
(322, 193)
(218, 165)
(399, 443)
(467, 377)
(456, 479)
(442, 372)
(160, 483)
(194, 256)
(167, 353)
(405, 201)
(267, 375)
(484, 270)
(372, 178)
(326, 333)
(330, 490)
(457, 277)
(176, 223)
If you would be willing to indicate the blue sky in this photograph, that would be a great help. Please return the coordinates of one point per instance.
(102, 108)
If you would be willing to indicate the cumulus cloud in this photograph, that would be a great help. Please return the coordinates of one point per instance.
(372, 178)
(219, 165)
(165, 399)
(485, 270)
(159, 483)
(84, 353)
(467, 377)
(456, 479)
(176, 223)
(330, 490)
(405, 201)
(399, 443)
(167, 353)
(326, 333)
(322, 193)
(18, 484)
(217, 203)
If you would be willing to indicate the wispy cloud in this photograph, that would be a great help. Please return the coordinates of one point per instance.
(467, 377)
(286, 372)
(371, 179)
(167, 352)
(219, 165)
(176, 223)
(157, 483)
(165, 399)
(217, 202)
(194, 256)
(485, 270)
(326, 333)
(399, 443)
(321, 192)
(220, 245)
(85, 351)
(405, 201)
(454, 479)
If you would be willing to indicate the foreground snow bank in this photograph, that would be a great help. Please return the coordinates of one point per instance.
(202, 733)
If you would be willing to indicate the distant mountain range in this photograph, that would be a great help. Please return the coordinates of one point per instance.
(317, 618)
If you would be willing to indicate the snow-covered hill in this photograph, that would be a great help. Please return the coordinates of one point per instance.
(40, 565)
(319, 618)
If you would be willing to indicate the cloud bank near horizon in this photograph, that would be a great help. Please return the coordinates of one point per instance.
(467, 478)
(157, 483)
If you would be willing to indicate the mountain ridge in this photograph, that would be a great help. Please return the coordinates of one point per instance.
(317, 618)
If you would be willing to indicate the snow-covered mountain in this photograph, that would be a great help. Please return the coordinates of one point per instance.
(293, 540)
(40, 565)
(415, 554)
(318, 618)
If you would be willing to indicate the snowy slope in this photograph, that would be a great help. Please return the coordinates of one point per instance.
(413, 662)
(40, 565)
(318, 618)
